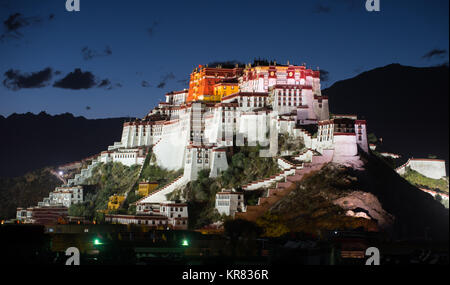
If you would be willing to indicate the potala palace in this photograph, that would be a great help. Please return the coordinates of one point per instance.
(193, 129)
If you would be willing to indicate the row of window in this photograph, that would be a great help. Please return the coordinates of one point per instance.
(288, 104)
(326, 138)
(124, 156)
(226, 197)
(288, 92)
(257, 104)
(181, 209)
(223, 203)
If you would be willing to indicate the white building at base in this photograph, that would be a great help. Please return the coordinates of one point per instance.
(229, 202)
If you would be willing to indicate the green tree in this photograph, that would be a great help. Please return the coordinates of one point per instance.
(272, 225)
(372, 138)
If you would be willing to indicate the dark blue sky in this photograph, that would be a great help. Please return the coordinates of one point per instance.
(128, 42)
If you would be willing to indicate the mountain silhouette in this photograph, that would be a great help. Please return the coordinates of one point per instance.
(31, 141)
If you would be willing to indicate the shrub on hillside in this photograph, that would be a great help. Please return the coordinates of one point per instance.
(420, 180)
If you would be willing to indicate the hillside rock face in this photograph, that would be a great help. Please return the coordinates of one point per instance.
(25, 191)
(311, 206)
(365, 205)
(376, 198)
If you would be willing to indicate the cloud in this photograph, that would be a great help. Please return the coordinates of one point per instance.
(108, 85)
(145, 84)
(324, 75)
(16, 80)
(77, 80)
(105, 83)
(16, 22)
(151, 30)
(89, 54)
(164, 79)
(440, 53)
(321, 9)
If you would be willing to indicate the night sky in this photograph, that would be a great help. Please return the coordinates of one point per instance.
(118, 58)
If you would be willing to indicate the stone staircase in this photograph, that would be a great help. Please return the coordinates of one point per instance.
(85, 173)
(265, 183)
(275, 194)
(288, 168)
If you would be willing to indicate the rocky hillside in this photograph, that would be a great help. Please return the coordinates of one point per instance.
(25, 191)
(377, 198)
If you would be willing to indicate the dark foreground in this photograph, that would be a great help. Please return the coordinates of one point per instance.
(124, 245)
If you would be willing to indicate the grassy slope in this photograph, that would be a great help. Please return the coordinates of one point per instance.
(107, 179)
(116, 178)
(422, 181)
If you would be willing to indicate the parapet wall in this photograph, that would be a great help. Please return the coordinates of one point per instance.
(432, 168)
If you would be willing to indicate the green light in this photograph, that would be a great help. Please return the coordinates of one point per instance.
(185, 242)
(97, 241)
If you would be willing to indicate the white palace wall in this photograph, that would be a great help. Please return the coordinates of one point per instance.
(170, 150)
(432, 168)
(345, 145)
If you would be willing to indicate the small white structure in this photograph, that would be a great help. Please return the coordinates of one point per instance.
(128, 157)
(63, 196)
(344, 134)
(172, 214)
(230, 202)
(174, 210)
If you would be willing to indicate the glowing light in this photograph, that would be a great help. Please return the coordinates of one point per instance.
(185, 242)
(60, 173)
(97, 241)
